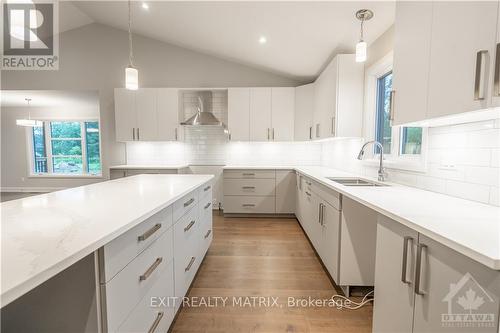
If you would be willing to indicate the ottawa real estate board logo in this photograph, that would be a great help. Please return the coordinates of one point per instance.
(30, 36)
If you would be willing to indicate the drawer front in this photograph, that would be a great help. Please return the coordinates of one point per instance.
(129, 286)
(205, 190)
(249, 205)
(185, 267)
(249, 187)
(250, 174)
(206, 232)
(185, 233)
(122, 250)
(329, 195)
(145, 317)
(185, 204)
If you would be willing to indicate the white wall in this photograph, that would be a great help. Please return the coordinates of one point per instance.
(94, 57)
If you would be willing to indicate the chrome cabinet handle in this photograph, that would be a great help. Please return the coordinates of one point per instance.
(248, 174)
(151, 269)
(418, 268)
(189, 226)
(248, 187)
(190, 201)
(322, 213)
(133, 134)
(207, 188)
(248, 205)
(207, 205)
(176, 134)
(406, 241)
(273, 134)
(138, 134)
(148, 233)
(308, 194)
(332, 132)
(310, 132)
(268, 136)
(317, 130)
(190, 264)
(308, 183)
(155, 324)
(391, 105)
(208, 233)
(319, 214)
(496, 83)
(478, 80)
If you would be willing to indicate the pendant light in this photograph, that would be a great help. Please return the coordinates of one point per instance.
(131, 73)
(28, 122)
(362, 15)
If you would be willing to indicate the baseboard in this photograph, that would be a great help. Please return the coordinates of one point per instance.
(276, 216)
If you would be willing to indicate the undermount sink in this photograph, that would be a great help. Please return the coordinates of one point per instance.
(354, 182)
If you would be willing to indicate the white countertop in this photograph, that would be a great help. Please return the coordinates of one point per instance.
(44, 234)
(149, 167)
(258, 167)
(468, 227)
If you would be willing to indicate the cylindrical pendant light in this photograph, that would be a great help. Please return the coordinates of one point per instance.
(28, 122)
(131, 73)
(361, 52)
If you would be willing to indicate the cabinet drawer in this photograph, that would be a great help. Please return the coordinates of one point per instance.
(129, 286)
(249, 174)
(185, 233)
(120, 251)
(184, 204)
(205, 190)
(252, 187)
(249, 205)
(144, 316)
(329, 195)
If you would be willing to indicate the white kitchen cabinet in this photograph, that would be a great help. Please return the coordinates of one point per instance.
(282, 113)
(495, 99)
(260, 114)
(285, 192)
(238, 105)
(330, 242)
(338, 99)
(304, 109)
(125, 116)
(412, 43)
(460, 31)
(168, 115)
(146, 113)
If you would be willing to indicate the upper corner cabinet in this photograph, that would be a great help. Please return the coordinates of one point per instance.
(338, 99)
(444, 58)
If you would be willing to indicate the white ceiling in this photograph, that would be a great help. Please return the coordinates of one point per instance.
(301, 35)
(50, 98)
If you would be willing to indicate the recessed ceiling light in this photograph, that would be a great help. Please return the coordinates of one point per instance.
(263, 40)
(145, 5)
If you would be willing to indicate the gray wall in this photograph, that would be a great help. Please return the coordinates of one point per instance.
(380, 47)
(94, 57)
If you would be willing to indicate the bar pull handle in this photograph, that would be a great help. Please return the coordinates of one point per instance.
(308, 194)
(189, 226)
(176, 137)
(248, 205)
(268, 135)
(248, 187)
(248, 174)
(418, 268)
(391, 106)
(138, 134)
(191, 262)
(207, 188)
(273, 134)
(496, 83)
(190, 201)
(317, 130)
(133, 133)
(155, 324)
(310, 132)
(151, 269)
(148, 233)
(322, 213)
(480, 71)
(207, 205)
(319, 214)
(208, 233)
(333, 126)
(407, 240)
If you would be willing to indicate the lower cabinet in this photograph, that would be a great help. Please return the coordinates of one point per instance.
(424, 286)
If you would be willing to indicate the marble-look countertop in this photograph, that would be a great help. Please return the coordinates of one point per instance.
(468, 227)
(148, 167)
(44, 234)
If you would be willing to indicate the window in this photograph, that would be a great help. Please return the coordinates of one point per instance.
(66, 148)
(411, 140)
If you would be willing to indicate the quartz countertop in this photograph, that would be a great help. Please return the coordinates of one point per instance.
(468, 227)
(44, 234)
(148, 167)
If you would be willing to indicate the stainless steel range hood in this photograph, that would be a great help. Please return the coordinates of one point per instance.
(203, 116)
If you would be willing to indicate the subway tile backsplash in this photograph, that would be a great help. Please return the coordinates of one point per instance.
(462, 160)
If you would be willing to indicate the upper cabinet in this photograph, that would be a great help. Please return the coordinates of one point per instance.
(444, 56)
(338, 99)
(304, 107)
(261, 114)
(147, 114)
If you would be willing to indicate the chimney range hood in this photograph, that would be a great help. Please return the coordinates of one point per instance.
(203, 116)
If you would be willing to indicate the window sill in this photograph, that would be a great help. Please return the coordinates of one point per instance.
(401, 164)
(65, 176)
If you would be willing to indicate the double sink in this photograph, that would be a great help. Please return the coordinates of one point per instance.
(354, 181)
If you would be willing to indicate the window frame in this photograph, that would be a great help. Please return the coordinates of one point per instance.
(393, 159)
(48, 149)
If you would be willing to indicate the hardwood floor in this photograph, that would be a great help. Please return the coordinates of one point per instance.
(270, 258)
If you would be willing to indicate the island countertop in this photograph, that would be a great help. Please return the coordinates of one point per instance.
(44, 234)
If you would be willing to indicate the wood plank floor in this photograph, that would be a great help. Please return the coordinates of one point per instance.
(271, 258)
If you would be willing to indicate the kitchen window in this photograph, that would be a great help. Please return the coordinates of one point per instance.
(66, 148)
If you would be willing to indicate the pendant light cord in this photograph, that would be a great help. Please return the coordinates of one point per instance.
(28, 100)
(130, 51)
(361, 32)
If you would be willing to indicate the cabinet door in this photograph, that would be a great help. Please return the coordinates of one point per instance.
(308, 213)
(238, 108)
(451, 283)
(412, 43)
(495, 100)
(285, 192)
(125, 120)
(304, 109)
(460, 30)
(298, 197)
(316, 230)
(168, 114)
(393, 310)
(282, 113)
(147, 120)
(260, 114)
(325, 101)
(330, 246)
